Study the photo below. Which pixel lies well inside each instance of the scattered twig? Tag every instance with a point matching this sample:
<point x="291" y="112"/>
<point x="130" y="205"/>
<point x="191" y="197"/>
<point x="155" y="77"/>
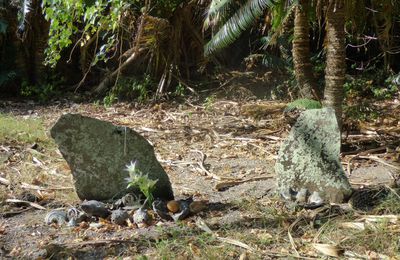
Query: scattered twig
<point x="9" y="214"/>
<point x="376" y="159"/>
<point x="226" y="184"/>
<point x="378" y="218"/>
<point x="176" y="163"/>
<point x="393" y="191"/>
<point x="263" y="149"/>
<point x="366" y="152"/>
<point x="147" y="129"/>
<point x="4" y="181"/>
<point x="271" y="137"/>
<point x="374" y="150"/>
<point x="35" y="187"/>
<point x="349" y="165"/>
<point x="203" y="226"/>
<point x="201" y="165"/>
<point x="235" y="243"/>
<point x="95" y="242"/>
<point x="290" y="235"/>
<point x="32" y="204"/>
<point x="285" y="256"/>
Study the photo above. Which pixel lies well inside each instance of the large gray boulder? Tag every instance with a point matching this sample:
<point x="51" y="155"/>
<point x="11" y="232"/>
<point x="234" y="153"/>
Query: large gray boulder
<point x="309" y="158"/>
<point x="98" y="152"/>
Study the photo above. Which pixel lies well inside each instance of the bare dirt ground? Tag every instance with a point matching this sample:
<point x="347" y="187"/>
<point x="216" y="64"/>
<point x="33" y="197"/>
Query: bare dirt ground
<point x="217" y="150"/>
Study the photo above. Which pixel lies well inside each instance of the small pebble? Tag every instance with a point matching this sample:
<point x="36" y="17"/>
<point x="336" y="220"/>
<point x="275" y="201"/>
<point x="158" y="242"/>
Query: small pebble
<point x="141" y="217"/>
<point x="56" y="216"/>
<point x="301" y="196"/>
<point x="95" y="225"/>
<point x="173" y="206"/>
<point x="315" y="198"/>
<point x="119" y="217"/>
<point x="95" y="208"/>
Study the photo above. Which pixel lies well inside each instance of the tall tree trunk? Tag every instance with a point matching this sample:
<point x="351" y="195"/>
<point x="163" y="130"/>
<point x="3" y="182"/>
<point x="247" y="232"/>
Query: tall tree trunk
<point x="301" y="51"/>
<point x="335" y="57"/>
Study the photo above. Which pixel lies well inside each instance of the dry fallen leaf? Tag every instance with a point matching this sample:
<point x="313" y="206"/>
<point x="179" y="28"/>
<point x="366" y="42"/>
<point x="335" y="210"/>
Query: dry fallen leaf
<point x="330" y="250"/>
<point x="244" y="256"/>
<point x="353" y="225"/>
<point x="195" y="250"/>
<point x="16" y="251"/>
<point x="3" y="230"/>
<point x="377" y="218"/>
<point x="375" y="255"/>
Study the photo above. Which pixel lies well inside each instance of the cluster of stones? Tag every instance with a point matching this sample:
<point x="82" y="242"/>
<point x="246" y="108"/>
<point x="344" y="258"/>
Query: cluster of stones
<point x="127" y="209"/>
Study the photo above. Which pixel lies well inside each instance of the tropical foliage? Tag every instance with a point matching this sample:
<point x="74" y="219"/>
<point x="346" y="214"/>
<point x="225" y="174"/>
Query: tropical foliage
<point x="112" y="44"/>
<point x="331" y="13"/>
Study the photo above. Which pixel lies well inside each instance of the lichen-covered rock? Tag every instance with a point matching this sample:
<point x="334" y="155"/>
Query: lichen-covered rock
<point x="309" y="157"/>
<point x="98" y="152"/>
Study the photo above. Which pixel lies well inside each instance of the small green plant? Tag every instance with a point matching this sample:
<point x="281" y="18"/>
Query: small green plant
<point x="209" y="102"/>
<point x="45" y="90"/>
<point x="377" y="84"/>
<point x="142" y="181"/>
<point x="110" y="99"/>
<point x="362" y="111"/>
<point x="143" y="88"/>
<point x="129" y="88"/>
<point x="179" y="90"/>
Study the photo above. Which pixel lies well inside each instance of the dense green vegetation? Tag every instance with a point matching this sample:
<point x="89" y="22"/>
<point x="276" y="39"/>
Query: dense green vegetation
<point x="137" y="49"/>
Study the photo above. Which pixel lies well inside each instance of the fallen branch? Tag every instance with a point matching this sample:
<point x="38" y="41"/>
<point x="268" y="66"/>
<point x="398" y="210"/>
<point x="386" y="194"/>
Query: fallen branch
<point x="226" y="184"/>
<point x="203" y="226"/>
<point x="106" y="82"/>
<point x="35" y="187"/>
<point x="9" y="214"/>
<point x="290" y="235"/>
<point x="379" y="218"/>
<point x="201" y="165"/>
<point x="97" y="242"/>
<point x="32" y="204"/>
<point x="376" y="159"/>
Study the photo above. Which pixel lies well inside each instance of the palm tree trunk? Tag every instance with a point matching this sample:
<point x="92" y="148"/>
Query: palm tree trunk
<point x="301" y="51"/>
<point x="335" y="57"/>
<point x="39" y="35"/>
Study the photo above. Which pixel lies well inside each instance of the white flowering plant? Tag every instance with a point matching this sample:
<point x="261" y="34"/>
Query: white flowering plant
<point x="142" y="181"/>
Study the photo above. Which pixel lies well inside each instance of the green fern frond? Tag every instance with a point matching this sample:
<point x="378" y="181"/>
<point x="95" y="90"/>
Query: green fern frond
<point x="238" y="23"/>
<point x="283" y="17"/>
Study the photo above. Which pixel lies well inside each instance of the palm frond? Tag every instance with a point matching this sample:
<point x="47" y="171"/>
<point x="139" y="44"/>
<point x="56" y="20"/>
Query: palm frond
<point x="217" y="6"/>
<point x="284" y="17"/>
<point x="217" y="12"/>
<point x="238" y="23"/>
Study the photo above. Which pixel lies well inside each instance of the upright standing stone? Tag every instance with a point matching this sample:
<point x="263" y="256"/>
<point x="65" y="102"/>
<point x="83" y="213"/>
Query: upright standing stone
<point x="309" y="157"/>
<point x="98" y="152"/>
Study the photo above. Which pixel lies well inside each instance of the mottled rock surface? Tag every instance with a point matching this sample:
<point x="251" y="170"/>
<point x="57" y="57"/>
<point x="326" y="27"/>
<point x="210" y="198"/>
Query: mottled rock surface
<point x="98" y="152"/>
<point x="309" y="157"/>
